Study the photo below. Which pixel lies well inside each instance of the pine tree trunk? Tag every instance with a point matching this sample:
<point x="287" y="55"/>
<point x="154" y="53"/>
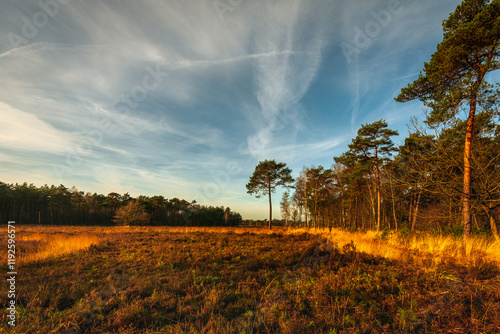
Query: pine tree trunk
<point x="316" y="204"/>
<point x="415" y="213"/>
<point x="270" y="209"/>
<point x="350" y="213"/>
<point x="378" y="195"/>
<point x="342" y="212"/>
<point x="467" y="221"/>
<point x="373" y="219"/>
<point x="493" y="221"/>
<point x="356" y="213"/>
<point x="393" y="206"/>
<point x="305" y="206"/>
<point x="300" y="215"/>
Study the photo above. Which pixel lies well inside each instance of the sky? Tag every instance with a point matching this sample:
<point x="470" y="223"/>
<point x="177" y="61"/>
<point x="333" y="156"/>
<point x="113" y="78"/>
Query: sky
<point x="184" y="98"/>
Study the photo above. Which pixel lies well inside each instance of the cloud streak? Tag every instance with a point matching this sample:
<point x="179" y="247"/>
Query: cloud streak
<point x="268" y="82"/>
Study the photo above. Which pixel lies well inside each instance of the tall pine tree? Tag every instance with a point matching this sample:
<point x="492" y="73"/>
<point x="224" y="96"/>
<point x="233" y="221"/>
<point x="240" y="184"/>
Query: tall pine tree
<point x="371" y="147"/>
<point x="454" y="78"/>
<point x="269" y="175"/>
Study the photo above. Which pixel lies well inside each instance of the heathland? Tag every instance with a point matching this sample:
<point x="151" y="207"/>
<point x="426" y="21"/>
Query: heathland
<point x="251" y="280"/>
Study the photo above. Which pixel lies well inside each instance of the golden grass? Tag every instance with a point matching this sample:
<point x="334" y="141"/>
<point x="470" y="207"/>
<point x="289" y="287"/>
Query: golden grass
<point x="422" y="247"/>
<point x="41" y="242"/>
<point x="217" y="280"/>
<point x="50" y="241"/>
<point x="41" y="246"/>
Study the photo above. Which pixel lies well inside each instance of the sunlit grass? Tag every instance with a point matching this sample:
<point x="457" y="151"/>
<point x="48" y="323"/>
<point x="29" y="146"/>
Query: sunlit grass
<point x="35" y="243"/>
<point x="253" y="280"/>
<point x="41" y="242"/>
<point x="38" y="246"/>
<point x="423" y="246"/>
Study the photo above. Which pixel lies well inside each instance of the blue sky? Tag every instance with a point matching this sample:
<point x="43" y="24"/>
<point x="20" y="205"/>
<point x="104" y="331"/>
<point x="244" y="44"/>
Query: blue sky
<point x="183" y="98"/>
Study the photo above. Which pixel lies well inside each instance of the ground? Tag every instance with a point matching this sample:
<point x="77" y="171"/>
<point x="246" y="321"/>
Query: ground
<point x="165" y="280"/>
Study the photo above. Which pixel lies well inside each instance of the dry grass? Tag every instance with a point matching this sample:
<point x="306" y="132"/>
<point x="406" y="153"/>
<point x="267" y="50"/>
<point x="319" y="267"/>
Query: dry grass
<point x="41" y="242"/>
<point x="424" y="248"/>
<point x="35" y="243"/>
<point x="38" y="247"/>
<point x="251" y="280"/>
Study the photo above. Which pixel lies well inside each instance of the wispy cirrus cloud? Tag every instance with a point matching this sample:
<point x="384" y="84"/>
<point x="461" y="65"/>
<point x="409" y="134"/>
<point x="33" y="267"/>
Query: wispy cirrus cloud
<point x="268" y="81"/>
<point x="283" y="80"/>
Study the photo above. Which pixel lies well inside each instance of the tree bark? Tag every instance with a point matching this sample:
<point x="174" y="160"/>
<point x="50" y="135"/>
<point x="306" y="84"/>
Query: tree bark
<point x="467" y="221"/>
<point x="378" y="198"/>
<point x="393" y="204"/>
<point x="493" y="220"/>
<point x="450" y="212"/>
<point x="415" y="213"/>
<point x="270" y="208"/>
<point x="350" y="213"/>
<point x="305" y="205"/>
<point x="373" y="218"/>
<point x="356" y="213"/>
<point x="315" y="203"/>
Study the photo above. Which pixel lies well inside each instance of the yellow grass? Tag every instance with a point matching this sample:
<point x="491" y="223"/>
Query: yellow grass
<point x="422" y="247"/>
<point x="41" y="242"/>
<point x="54" y="245"/>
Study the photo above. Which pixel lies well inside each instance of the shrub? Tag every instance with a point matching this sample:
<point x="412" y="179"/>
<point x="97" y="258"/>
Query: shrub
<point x="133" y="214"/>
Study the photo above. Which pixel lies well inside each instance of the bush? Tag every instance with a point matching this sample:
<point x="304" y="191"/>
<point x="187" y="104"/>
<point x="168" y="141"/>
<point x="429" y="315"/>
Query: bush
<point x="133" y="214"/>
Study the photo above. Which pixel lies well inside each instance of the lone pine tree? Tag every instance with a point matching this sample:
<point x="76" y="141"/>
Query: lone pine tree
<point x="269" y="175"/>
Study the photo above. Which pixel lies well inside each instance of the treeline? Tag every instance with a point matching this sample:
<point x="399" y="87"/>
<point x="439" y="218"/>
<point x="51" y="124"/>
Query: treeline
<point x="51" y="205"/>
<point x="419" y="185"/>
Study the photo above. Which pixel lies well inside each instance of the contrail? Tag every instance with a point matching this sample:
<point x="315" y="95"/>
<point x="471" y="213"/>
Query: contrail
<point x="42" y="46"/>
<point x="26" y="49"/>
<point x="406" y="76"/>
<point x="191" y="63"/>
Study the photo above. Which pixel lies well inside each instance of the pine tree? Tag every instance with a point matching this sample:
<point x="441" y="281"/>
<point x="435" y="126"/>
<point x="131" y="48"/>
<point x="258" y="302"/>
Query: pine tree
<point x="269" y="175"/>
<point x="371" y="148"/>
<point x="454" y="78"/>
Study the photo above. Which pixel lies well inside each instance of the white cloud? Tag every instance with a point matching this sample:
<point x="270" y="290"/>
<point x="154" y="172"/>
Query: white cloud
<point x="282" y="81"/>
<point x="20" y="130"/>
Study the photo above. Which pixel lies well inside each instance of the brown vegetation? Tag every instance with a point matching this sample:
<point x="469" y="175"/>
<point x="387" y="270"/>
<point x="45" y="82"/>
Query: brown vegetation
<point x="232" y="280"/>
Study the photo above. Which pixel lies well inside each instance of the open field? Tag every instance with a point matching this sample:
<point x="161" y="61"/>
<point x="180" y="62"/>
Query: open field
<point x="209" y="280"/>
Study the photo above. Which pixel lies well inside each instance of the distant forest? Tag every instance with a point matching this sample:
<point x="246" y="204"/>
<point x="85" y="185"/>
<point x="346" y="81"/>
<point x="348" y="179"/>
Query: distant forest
<point x="51" y="205"/>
